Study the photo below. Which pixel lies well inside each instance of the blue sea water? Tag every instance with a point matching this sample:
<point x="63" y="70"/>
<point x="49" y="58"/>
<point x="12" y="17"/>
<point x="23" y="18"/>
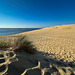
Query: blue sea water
<point x="9" y="31"/>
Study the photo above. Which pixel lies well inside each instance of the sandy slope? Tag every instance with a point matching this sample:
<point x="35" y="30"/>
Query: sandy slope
<point x="55" y="56"/>
<point x="57" y="40"/>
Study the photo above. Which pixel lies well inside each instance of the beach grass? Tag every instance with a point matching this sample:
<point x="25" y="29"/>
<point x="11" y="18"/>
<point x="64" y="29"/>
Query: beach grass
<point x="23" y="45"/>
<point x="4" y="44"/>
<point x="20" y="43"/>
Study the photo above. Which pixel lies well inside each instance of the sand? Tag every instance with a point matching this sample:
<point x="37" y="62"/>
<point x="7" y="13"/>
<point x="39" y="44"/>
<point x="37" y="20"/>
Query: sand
<point x="55" y="53"/>
<point x="58" y="41"/>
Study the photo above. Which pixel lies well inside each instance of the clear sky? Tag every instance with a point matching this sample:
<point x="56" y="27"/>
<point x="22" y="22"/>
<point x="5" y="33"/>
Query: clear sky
<point x="36" y="13"/>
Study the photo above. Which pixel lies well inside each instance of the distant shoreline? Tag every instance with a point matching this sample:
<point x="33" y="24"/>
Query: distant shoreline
<point x="12" y="31"/>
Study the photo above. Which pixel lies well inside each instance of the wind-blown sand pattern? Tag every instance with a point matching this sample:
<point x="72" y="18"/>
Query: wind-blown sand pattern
<point x="36" y="64"/>
<point x="49" y="66"/>
<point x="57" y="40"/>
<point x="5" y="57"/>
<point x="55" y="53"/>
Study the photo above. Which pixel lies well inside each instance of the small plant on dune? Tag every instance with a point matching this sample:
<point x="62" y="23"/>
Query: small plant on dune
<point x="23" y="45"/>
<point x="4" y="44"/>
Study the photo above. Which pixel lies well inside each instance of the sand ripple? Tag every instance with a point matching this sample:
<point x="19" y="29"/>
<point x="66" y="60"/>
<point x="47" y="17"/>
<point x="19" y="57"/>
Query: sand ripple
<point x="6" y="57"/>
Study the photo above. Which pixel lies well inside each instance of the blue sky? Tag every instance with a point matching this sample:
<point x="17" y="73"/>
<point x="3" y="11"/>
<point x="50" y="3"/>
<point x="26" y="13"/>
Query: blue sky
<point x="36" y="13"/>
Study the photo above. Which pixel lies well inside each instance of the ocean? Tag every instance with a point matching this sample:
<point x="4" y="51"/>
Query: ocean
<point x="9" y="31"/>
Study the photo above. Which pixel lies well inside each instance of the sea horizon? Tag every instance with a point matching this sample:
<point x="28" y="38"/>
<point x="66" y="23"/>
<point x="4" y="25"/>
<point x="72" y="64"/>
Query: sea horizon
<point x="10" y="31"/>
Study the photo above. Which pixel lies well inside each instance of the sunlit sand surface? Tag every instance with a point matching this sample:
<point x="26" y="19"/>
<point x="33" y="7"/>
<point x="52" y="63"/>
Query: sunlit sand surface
<point x="57" y="40"/>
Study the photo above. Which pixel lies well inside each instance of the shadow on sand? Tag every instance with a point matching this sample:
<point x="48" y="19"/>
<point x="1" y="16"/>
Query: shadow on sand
<point x="48" y="65"/>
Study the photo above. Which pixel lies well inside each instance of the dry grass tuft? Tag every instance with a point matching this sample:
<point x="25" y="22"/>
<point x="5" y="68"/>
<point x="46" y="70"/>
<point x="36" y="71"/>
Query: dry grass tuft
<point x="20" y="43"/>
<point x="4" y="44"/>
<point x="23" y="45"/>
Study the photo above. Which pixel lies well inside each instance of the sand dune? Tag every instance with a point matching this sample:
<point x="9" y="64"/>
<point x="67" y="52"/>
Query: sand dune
<point x="58" y="40"/>
<point x="55" y="53"/>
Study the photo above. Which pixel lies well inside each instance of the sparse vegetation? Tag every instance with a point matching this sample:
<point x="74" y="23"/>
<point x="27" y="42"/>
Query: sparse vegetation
<point x="20" y="44"/>
<point x="4" y="44"/>
<point x="23" y="45"/>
